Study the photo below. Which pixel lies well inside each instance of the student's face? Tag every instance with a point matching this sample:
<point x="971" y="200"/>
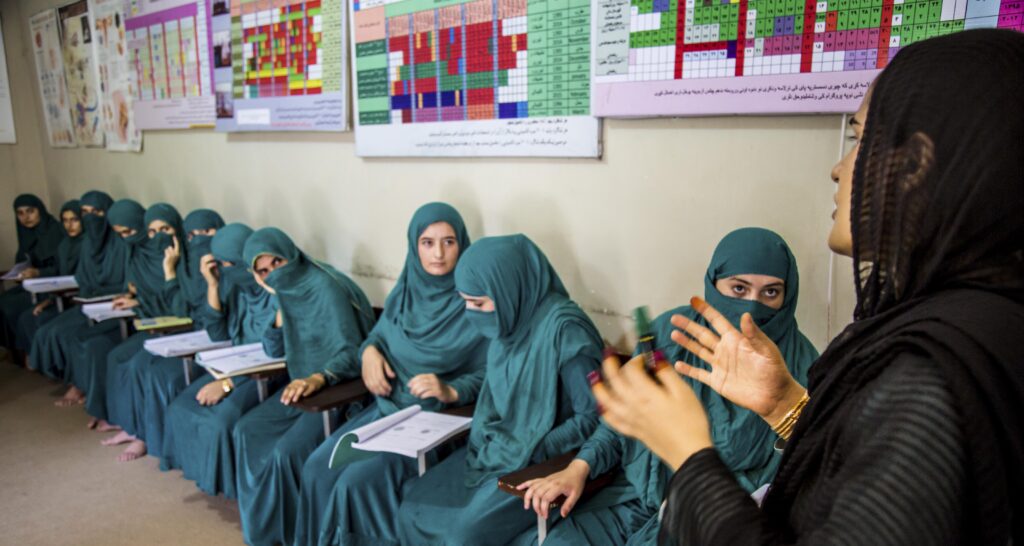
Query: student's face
<point x="123" y="231"/>
<point x="72" y="223"/>
<point x="86" y="209"/>
<point x="478" y="303"/>
<point x="28" y="216"/>
<point x="840" y="239"/>
<point x="265" y="264"/>
<point x="438" y="249"/>
<point x="159" y="226"/>
<point x="211" y="232"/>
<point x="766" y="289"/>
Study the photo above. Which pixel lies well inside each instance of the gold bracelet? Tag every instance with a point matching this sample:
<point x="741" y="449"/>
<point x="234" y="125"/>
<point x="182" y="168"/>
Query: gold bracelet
<point x="784" y="428"/>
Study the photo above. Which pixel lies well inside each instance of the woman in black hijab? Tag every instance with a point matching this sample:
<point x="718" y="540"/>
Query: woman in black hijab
<point x="912" y="430"/>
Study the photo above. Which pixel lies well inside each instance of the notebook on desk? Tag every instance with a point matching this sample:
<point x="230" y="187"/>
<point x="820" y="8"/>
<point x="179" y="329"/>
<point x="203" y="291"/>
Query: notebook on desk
<point x="238" y="360"/>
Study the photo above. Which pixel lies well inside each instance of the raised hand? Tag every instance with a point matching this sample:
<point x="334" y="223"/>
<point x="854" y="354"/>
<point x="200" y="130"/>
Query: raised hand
<point x="208" y="267"/>
<point x="172" y="255"/>
<point x="541" y="492"/>
<point x="668" y="418"/>
<point x="376" y="372"/>
<point x="746" y="367"/>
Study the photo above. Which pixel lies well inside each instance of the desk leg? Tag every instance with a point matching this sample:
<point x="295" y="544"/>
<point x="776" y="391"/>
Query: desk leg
<point x="327" y="423"/>
<point x="542" y="529"/>
<point x="124" y="329"/>
<point x="35" y="298"/>
<point x="186" y="362"/>
<point x="261" y="388"/>
<point x="60" y="304"/>
<point x="421" y="462"/>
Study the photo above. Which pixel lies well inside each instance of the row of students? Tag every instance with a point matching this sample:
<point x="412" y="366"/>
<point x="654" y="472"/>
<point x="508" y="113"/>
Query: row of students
<point x="488" y="323"/>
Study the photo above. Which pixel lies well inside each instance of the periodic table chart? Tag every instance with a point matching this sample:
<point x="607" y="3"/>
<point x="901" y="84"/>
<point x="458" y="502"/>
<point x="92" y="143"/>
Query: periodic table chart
<point x="279" y="65"/>
<point x="707" y="57"/>
<point x="473" y="78"/>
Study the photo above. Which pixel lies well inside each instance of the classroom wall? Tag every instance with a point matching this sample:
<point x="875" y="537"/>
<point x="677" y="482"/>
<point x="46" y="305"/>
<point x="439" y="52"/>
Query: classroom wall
<point x="21" y="164"/>
<point x="635" y="227"/>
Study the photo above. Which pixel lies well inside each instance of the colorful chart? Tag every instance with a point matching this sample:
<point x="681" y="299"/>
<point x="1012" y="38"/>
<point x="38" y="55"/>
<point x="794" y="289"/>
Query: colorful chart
<point x="478" y="77"/>
<point x="763" y="56"/>
<point x="43" y="28"/>
<point x="116" y="77"/>
<point x="280" y="65"/>
<point x="168" y="49"/>
<point x="80" y="73"/>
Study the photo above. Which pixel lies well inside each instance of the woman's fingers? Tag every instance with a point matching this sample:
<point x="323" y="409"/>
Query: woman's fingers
<point x="570" y="501"/>
<point x="694" y="372"/>
<point x="701" y="334"/>
<point x="717" y="320"/>
<point x="388" y="371"/>
<point x="692" y="345"/>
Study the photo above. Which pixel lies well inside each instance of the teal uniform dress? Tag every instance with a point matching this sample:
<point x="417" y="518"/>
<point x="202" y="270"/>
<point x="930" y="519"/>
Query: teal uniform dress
<point x="326" y="317"/>
<point x="197" y="439"/>
<point x="163" y="378"/>
<point x="535" y="403"/>
<point x="37" y="246"/>
<point x="100" y="271"/>
<point x="111" y="386"/>
<point x="422" y="331"/>
<point x="626" y="512"/>
<point x="67" y="261"/>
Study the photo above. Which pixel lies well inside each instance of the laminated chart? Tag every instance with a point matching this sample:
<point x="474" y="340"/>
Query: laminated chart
<point x="473" y="78"/>
<point x="705" y="57"/>
<point x="80" y="73"/>
<point x="43" y="30"/>
<point x="168" y="50"/>
<point x="279" y="65"/>
<point x="116" y="77"/>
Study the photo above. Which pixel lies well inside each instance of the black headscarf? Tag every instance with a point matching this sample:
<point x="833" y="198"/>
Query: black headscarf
<point x="38" y="245"/>
<point x="938" y="244"/>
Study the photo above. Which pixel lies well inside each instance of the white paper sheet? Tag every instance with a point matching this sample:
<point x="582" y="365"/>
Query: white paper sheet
<point x="183" y="344"/>
<point x="49" y="284"/>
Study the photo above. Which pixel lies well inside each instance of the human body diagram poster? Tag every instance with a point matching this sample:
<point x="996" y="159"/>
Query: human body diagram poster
<point x="80" y="73"/>
<point x="43" y="27"/>
<point x="117" y="82"/>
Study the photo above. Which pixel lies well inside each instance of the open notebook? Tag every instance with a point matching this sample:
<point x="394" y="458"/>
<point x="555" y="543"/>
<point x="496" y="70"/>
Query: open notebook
<point x="100" y="312"/>
<point x="183" y="344"/>
<point x="156" y="323"/>
<point x="411" y="432"/>
<point x="95" y="299"/>
<point x="238" y="360"/>
<point x="50" y="284"/>
<point x="15" y="271"/>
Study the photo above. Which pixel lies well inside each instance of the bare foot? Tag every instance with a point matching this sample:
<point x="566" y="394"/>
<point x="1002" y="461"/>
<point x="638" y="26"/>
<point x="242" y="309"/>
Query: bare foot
<point x="73" y="397"/>
<point x="118" y="439"/>
<point x="101" y="425"/>
<point x="136" y="449"/>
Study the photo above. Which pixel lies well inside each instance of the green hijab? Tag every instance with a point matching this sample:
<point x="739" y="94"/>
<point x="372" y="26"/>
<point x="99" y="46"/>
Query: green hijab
<point x="326" y="315"/>
<point x="535" y="328"/>
<point x="250" y="308"/>
<point x="193" y="248"/>
<point x="743" y="440"/>
<point x="38" y="245"/>
<point x="423" y="328"/>
<point x="70" y="247"/>
<point x="101" y="267"/>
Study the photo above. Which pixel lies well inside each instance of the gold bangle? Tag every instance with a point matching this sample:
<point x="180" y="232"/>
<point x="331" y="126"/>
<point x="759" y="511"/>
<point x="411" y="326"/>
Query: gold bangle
<point x="784" y="428"/>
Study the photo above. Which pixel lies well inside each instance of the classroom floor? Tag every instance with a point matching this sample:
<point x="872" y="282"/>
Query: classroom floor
<point x="58" y="485"/>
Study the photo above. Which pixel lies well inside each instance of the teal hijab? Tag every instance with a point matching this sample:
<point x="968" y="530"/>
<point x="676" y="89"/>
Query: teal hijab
<point x="193" y="248"/>
<point x="70" y="247"/>
<point x="313" y="297"/>
<point x="743" y="440"/>
<point x="101" y="267"/>
<point x="535" y="328"/>
<point x="423" y="329"/>
<point x="252" y="307"/>
<point x="38" y="245"/>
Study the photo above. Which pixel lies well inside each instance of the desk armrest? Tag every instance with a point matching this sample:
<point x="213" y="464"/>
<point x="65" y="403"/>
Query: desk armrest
<point x="266" y="374"/>
<point x="509" y="482"/>
<point x="334" y="396"/>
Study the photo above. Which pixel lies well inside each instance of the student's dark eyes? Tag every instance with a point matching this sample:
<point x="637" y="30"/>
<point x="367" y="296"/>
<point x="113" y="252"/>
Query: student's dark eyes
<point x="739" y="288"/>
<point x="771" y="292"/>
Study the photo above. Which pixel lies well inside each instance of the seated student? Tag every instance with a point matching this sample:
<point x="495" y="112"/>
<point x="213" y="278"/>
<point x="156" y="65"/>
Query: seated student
<point x="752" y="271"/>
<point x="100" y="271"/>
<point x="423" y="351"/>
<point x="67" y="261"/>
<point x="322" y="320"/>
<point x="39" y="235"/>
<point x="198" y="425"/>
<point x="157" y="380"/>
<point x="110" y="388"/>
<point x="535" y="402"/>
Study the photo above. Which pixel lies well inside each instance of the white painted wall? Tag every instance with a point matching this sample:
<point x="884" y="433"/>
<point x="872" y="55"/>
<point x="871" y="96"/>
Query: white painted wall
<point x="636" y="227"/>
